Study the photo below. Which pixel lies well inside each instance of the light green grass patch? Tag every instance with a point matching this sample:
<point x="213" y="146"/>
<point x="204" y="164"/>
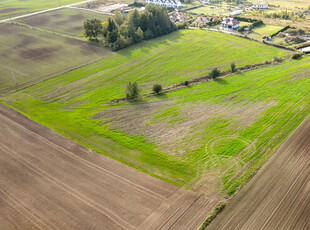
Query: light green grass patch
<point x="259" y="32"/>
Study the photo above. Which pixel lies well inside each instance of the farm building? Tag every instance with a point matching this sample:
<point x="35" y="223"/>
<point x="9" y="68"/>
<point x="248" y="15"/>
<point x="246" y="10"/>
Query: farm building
<point x="230" y="23"/>
<point x="166" y="3"/>
<point x="177" y="17"/>
<point x="260" y="5"/>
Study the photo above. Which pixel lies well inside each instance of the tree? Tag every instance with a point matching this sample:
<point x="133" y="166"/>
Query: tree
<point x="92" y="28"/>
<point x="233" y="67"/>
<point x="157" y="88"/>
<point x="118" y="18"/>
<point x="215" y="73"/>
<point x="132" y="90"/>
<point x="138" y="35"/>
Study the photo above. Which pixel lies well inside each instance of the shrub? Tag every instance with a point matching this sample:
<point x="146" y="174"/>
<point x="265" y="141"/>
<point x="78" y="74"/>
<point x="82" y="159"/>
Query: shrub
<point x="233" y="67"/>
<point x="277" y="59"/>
<point x="186" y="83"/>
<point x="132" y="90"/>
<point x="215" y="73"/>
<point x="157" y="88"/>
<point x="296" y="56"/>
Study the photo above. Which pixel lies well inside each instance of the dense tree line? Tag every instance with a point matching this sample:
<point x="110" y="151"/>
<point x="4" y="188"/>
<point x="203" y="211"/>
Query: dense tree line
<point x="123" y="30"/>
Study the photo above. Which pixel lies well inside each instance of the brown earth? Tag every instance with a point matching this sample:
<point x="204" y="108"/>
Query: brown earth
<point x="278" y="197"/>
<point x="50" y="182"/>
<point x="172" y="132"/>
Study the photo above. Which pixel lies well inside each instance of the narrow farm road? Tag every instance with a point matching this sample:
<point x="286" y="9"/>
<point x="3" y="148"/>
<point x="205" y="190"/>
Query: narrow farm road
<point x="43" y="11"/>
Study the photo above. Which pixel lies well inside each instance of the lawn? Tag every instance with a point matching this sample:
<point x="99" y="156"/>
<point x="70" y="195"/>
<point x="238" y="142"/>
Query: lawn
<point x="11" y="8"/>
<point x="188" y="135"/>
<point x="64" y="21"/>
<point x="32" y="55"/>
<point x="259" y="32"/>
<point x="208" y="10"/>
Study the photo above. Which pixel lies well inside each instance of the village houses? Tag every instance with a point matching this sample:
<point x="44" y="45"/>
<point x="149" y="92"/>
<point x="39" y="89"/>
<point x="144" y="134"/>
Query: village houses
<point x="166" y="3"/>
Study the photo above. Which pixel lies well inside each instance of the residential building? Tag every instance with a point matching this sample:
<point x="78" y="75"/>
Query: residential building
<point x="260" y="5"/>
<point x="177" y="17"/>
<point x="166" y="3"/>
<point x="230" y="23"/>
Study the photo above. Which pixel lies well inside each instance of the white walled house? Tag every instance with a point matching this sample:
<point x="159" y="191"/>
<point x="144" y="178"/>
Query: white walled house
<point x="230" y="23"/>
<point x="260" y="5"/>
<point x="166" y="3"/>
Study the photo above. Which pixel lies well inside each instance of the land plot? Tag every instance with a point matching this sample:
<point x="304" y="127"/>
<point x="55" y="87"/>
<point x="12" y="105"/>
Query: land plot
<point x="67" y="21"/>
<point x="259" y="32"/>
<point x="50" y="182"/>
<point x="11" y="8"/>
<point x="278" y="197"/>
<point x="28" y="55"/>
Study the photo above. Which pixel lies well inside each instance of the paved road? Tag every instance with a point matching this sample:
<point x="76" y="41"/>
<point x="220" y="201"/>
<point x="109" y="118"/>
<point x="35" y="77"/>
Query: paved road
<point x="43" y="11"/>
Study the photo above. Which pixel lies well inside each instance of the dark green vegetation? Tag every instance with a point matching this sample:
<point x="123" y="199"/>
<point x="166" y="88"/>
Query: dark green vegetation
<point x="66" y="21"/>
<point x="221" y="130"/>
<point x="123" y="31"/>
<point x="33" y="55"/>
<point x="11" y="8"/>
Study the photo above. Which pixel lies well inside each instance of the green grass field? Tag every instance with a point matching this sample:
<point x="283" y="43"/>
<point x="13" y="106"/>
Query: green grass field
<point x="32" y="55"/>
<point x="259" y="32"/>
<point x="64" y="21"/>
<point x="192" y="134"/>
<point x="207" y="10"/>
<point x="11" y="8"/>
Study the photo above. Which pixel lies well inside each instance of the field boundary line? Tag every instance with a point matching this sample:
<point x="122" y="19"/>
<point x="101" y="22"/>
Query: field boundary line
<point x="115" y="218"/>
<point x="122" y="179"/>
<point x="21" y="206"/>
<point x="43" y="11"/>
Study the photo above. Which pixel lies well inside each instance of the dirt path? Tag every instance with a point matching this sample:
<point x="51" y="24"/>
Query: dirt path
<point x="43" y="11"/>
<point x="278" y="197"/>
<point x="50" y="182"/>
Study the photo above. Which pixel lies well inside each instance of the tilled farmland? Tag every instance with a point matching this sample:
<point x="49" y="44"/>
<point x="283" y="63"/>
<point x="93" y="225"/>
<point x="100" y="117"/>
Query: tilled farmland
<point x="278" y="197"/>
<point x="50" y="182"/>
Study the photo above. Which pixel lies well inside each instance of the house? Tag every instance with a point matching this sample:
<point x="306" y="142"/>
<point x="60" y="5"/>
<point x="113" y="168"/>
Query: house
<point x="166" y="3"/>
<point x="202" y="21"/>
<point x="206" y="1"/>
<point x="177" y="17"/>
<point x="125" y="9"/>
<point x="260" y="5"/>
<point x="230" y="23"/>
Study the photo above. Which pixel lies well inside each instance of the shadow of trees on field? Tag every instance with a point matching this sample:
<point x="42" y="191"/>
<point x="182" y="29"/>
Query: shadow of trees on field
<point x="221" y="81"/>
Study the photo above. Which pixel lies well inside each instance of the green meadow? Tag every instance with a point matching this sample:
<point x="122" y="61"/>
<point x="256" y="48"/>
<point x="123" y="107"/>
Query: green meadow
<point x="220" y="130"/>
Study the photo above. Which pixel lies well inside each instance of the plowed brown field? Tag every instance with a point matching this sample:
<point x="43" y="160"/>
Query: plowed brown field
<point x="50" y="182"/>
<point x="278" y="197"/>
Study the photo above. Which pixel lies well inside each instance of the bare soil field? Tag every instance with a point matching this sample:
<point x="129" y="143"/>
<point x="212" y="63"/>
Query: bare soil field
<point x="67" y="21"/>
<point x="50" y="182"/>
<point x="278" y="197"/>
<point x="28" y="55"/>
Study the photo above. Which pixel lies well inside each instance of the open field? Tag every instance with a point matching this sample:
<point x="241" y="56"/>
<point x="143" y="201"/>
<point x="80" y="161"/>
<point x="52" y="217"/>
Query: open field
<point x="50" y="182"/>
<point x="242" y="118"/>
<point x="290" y="4"/>
<point x="259" y="32"/>
<point x="278" y="197"/>
<point x="64" y="21"/>
<point x="11" y="8"/>
<point x="208" y="10"/>
<point x="33" y="55"/>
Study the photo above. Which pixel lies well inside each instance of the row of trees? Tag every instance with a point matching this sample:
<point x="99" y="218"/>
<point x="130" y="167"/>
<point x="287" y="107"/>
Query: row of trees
<point x="132" y="89"/>
<point x="121" y="31"/>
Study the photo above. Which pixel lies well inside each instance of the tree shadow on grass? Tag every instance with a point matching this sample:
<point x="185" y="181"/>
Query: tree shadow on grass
<point x="221" y="81"/>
